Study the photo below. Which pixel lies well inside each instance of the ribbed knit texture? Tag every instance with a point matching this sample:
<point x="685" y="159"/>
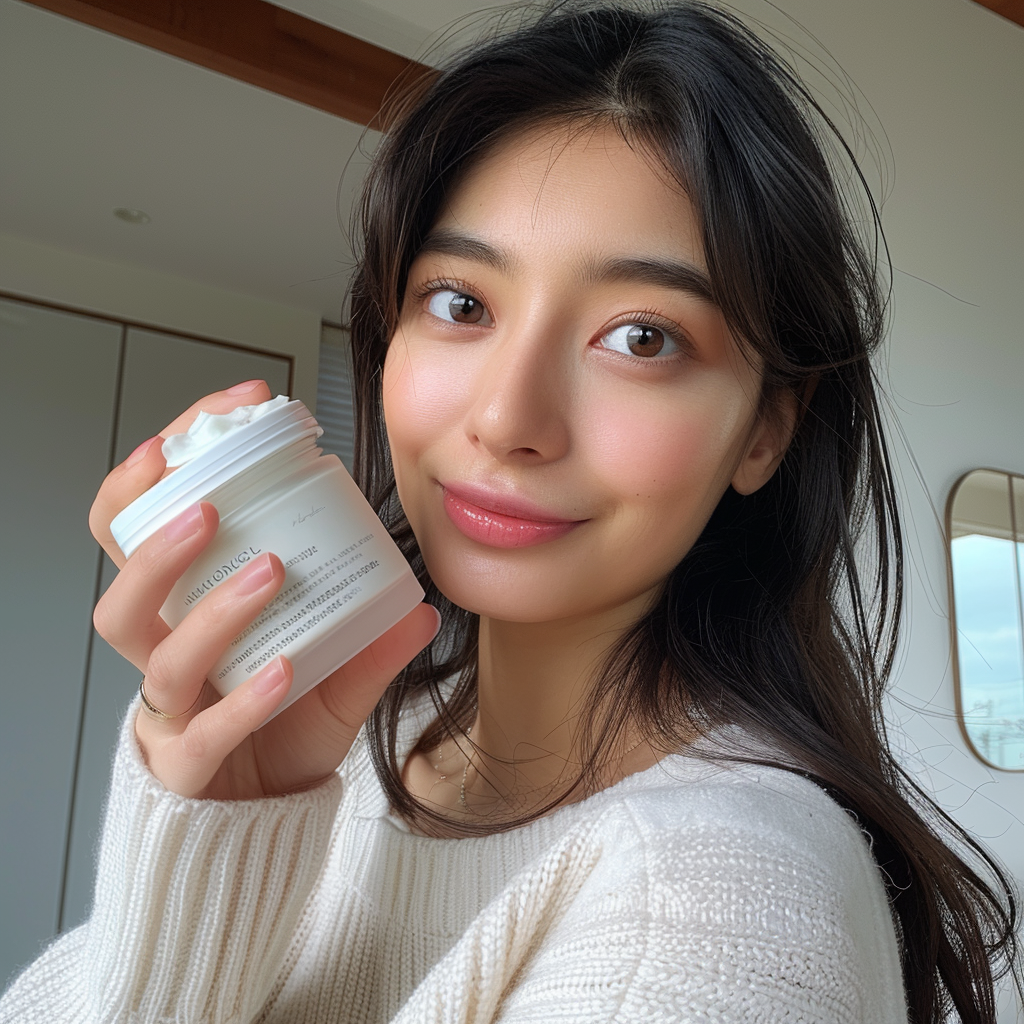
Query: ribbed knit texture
<point x="688" y="892"/>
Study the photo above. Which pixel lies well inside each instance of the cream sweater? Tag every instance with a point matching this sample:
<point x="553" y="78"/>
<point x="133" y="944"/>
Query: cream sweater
<point x="685" y="893"/>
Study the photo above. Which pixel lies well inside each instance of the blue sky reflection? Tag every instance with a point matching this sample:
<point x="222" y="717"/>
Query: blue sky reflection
<point x="990" y="645"/>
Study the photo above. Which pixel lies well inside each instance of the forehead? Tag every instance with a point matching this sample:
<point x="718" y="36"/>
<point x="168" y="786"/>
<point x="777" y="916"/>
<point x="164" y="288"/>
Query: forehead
<point x="585" y="192"/>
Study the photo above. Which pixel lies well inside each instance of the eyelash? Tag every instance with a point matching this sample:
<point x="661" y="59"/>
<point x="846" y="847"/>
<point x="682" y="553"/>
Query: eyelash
<point x="648" y="316"/>
<point x="441" y="284"/>
<point x="652" y="318"/>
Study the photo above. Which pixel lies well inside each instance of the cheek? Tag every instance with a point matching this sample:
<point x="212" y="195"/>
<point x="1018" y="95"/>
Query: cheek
<point x="644" y="457"/>
<point x="656" y="453"/>
<point x="417" y="397"/>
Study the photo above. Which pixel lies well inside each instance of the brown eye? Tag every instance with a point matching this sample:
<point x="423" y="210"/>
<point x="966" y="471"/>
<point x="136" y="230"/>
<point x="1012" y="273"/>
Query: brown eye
<point x="465" y="309"/>
<point x="457" y="307"/>
<point x="644" y="340"/>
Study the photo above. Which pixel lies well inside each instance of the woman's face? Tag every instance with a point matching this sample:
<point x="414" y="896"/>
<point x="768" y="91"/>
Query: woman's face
<point x="565" y="404"/>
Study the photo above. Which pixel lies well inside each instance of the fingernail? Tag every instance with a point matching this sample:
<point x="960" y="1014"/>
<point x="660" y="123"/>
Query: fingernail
<point x="188" y="523"/>
<point x="244" y="387"/>
<point x="437" y="628"/>
<point x="270" y="678"/>
<point x="140" y="453"/>
<point x="255" y="576"/>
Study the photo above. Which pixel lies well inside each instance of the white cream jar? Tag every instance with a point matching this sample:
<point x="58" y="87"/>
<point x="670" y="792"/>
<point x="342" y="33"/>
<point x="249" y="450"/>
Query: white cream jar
<point x="345" y="580"/>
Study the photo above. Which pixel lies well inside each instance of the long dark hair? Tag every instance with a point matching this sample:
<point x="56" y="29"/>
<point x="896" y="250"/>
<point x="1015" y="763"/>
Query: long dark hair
<point x="770" y="622"/>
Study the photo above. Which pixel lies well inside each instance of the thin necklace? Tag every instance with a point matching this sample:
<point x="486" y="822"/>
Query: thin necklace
<point x="462" y="785"/>
<point x="469" y="761"/>
<point x="442" y="774"/>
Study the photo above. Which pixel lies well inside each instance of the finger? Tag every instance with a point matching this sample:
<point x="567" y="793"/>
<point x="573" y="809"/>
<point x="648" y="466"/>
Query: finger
<point x="214" y="733"/>
<point x="178" y="666"/>
<point x="352" y="692"/>
<point x="146" y="465"/>
<point x="128" y="614"/>
<point x="123" y="484"/>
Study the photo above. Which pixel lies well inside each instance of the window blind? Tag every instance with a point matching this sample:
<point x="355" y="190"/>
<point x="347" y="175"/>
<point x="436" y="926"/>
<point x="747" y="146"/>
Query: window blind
<point x="335" y="407"/>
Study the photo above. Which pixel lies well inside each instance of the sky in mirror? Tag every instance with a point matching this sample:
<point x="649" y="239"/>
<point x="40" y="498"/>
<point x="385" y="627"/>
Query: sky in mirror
<point x="991" y="651"/>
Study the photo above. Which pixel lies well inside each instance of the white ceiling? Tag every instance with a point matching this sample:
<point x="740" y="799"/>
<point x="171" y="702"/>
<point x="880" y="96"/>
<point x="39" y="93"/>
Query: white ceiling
<point x="246" y="189"/>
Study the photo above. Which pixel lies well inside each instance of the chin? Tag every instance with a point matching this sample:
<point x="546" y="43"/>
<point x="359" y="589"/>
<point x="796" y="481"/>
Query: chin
<point x="509" y="593"/>
<point x="542" y="592"/>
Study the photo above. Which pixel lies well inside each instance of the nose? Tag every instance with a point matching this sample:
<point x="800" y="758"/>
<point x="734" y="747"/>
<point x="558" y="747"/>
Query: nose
<point x="520" y="407"/>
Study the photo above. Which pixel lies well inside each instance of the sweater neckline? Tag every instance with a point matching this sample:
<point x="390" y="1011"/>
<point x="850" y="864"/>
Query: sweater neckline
<point x="671" y="769"/>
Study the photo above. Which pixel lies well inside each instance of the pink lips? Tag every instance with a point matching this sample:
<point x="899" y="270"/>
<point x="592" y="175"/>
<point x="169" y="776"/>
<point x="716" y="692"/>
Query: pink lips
<point x="502" y="522"/>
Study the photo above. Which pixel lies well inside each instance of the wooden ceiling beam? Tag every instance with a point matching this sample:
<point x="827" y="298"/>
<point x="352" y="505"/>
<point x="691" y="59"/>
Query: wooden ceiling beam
<point x="1012" y="9"/>
<point x="261" y="44"/>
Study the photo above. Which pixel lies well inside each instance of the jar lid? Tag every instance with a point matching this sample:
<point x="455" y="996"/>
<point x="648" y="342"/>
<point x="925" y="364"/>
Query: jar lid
<point x="234" y="453"/>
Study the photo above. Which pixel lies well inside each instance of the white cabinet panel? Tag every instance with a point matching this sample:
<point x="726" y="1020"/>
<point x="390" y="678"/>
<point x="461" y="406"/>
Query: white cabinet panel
<point x="77" y="394"/>
<point x="166" y="373"/>
<point x="163" y="374"/>
<point x="58" y="376"/>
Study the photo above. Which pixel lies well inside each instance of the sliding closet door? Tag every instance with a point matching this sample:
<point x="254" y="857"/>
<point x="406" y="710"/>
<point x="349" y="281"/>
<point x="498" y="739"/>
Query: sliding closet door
<point x="163" y="375"/>
<point x="58" y="376"/>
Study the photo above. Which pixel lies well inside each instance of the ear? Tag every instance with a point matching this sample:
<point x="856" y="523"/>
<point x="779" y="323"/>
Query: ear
<point x="767" y="444"/>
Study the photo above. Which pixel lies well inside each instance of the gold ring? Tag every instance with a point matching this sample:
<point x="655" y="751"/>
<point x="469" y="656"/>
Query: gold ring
<point x="154" y="710"/>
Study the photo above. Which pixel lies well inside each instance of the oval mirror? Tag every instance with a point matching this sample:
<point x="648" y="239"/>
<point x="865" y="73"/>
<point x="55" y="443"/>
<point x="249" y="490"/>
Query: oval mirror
<point x="985" y="526"/>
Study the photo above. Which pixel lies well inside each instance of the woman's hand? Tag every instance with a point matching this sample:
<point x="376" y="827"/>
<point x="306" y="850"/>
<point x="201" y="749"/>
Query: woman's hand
<point x="209" y="748"/>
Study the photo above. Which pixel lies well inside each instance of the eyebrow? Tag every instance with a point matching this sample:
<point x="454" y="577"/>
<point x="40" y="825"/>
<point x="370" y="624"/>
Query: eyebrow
<point x="663" y="272"/>
<point x="445" y="242"/>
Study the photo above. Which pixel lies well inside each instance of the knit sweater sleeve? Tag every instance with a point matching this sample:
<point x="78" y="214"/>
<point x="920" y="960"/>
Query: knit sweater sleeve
<point x="194" y="908"/>
<point x="725" y="902"/>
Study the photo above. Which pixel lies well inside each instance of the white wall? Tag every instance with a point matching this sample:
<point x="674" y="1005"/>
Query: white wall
<point x="129" y="292"/>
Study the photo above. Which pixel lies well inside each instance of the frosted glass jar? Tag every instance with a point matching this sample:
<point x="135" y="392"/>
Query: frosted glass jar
<point x="345" y="580"/>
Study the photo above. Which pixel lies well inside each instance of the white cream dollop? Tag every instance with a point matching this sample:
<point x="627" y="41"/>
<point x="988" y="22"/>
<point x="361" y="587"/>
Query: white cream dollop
<point x="208" y="428"/>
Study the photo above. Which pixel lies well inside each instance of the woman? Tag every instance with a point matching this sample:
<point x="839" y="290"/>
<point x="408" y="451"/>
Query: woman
<point x="611" y="332"/>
